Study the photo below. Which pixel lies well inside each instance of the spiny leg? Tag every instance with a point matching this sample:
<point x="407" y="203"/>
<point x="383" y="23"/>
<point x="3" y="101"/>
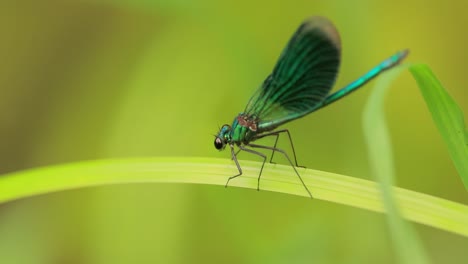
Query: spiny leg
<point x="287" y="157"/>
<point x="274" y="146"/>
<point x="263" y="163"/>
<point x="234" y="157"/>
<point x="237" y="152"/>
<point x="277" y="133"/>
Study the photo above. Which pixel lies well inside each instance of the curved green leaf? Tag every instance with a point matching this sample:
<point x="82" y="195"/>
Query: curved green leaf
<point x="417" y="207"/>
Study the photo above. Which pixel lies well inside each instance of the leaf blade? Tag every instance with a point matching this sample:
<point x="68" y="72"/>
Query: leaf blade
<point x="447" y="116"/>
<point x="421" y="208"/>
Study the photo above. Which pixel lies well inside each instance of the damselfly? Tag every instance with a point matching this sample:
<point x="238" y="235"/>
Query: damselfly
<point x="299" y="85"/>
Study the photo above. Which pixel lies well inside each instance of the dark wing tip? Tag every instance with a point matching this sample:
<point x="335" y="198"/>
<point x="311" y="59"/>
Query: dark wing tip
<point x="325" y="26"/>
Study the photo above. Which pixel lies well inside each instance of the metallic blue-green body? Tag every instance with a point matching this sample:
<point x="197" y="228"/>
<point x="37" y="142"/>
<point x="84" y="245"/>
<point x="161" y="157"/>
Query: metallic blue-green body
<point x="384" y="65"/>
<point x="239" y="134"/>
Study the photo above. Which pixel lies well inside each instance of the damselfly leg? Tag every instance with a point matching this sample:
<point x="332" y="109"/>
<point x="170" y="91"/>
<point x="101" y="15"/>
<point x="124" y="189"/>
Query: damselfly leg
<point x="234" y="157"/>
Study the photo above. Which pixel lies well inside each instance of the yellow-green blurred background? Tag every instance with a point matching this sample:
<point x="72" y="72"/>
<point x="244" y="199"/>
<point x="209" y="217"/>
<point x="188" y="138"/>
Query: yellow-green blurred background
<point x="119" y="78"/>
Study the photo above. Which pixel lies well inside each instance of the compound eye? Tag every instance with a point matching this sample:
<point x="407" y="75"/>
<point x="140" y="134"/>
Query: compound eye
<point x="218" y="143"/>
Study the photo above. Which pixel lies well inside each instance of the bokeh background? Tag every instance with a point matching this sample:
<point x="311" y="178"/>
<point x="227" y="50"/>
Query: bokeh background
<point x="119" y="78"/>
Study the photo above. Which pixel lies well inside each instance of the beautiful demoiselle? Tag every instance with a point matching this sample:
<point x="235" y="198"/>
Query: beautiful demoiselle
<point x="299" y="85"/>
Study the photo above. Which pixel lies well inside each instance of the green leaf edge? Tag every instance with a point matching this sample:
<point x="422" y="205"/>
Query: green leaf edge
<point x="418" y="207"/>
<point x="447" y="116"/>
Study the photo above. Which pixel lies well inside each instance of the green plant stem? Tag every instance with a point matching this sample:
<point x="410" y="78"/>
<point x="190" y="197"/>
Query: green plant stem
<point x="417" y="207"/>
<point x="408" y="247"/>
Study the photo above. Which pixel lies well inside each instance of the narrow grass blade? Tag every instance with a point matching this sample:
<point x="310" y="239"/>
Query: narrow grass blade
<point x="406" y="242"/>
<point x="417" y="207"/>
<point x="447" y="116"/>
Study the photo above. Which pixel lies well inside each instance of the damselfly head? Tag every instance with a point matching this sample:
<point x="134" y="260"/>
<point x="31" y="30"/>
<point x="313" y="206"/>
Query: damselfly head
<point x="219" y="144"/>
<point x="222" y="138"/>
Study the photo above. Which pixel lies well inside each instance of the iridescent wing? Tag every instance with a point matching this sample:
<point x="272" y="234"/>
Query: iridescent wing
<point x="302" y="77"/>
